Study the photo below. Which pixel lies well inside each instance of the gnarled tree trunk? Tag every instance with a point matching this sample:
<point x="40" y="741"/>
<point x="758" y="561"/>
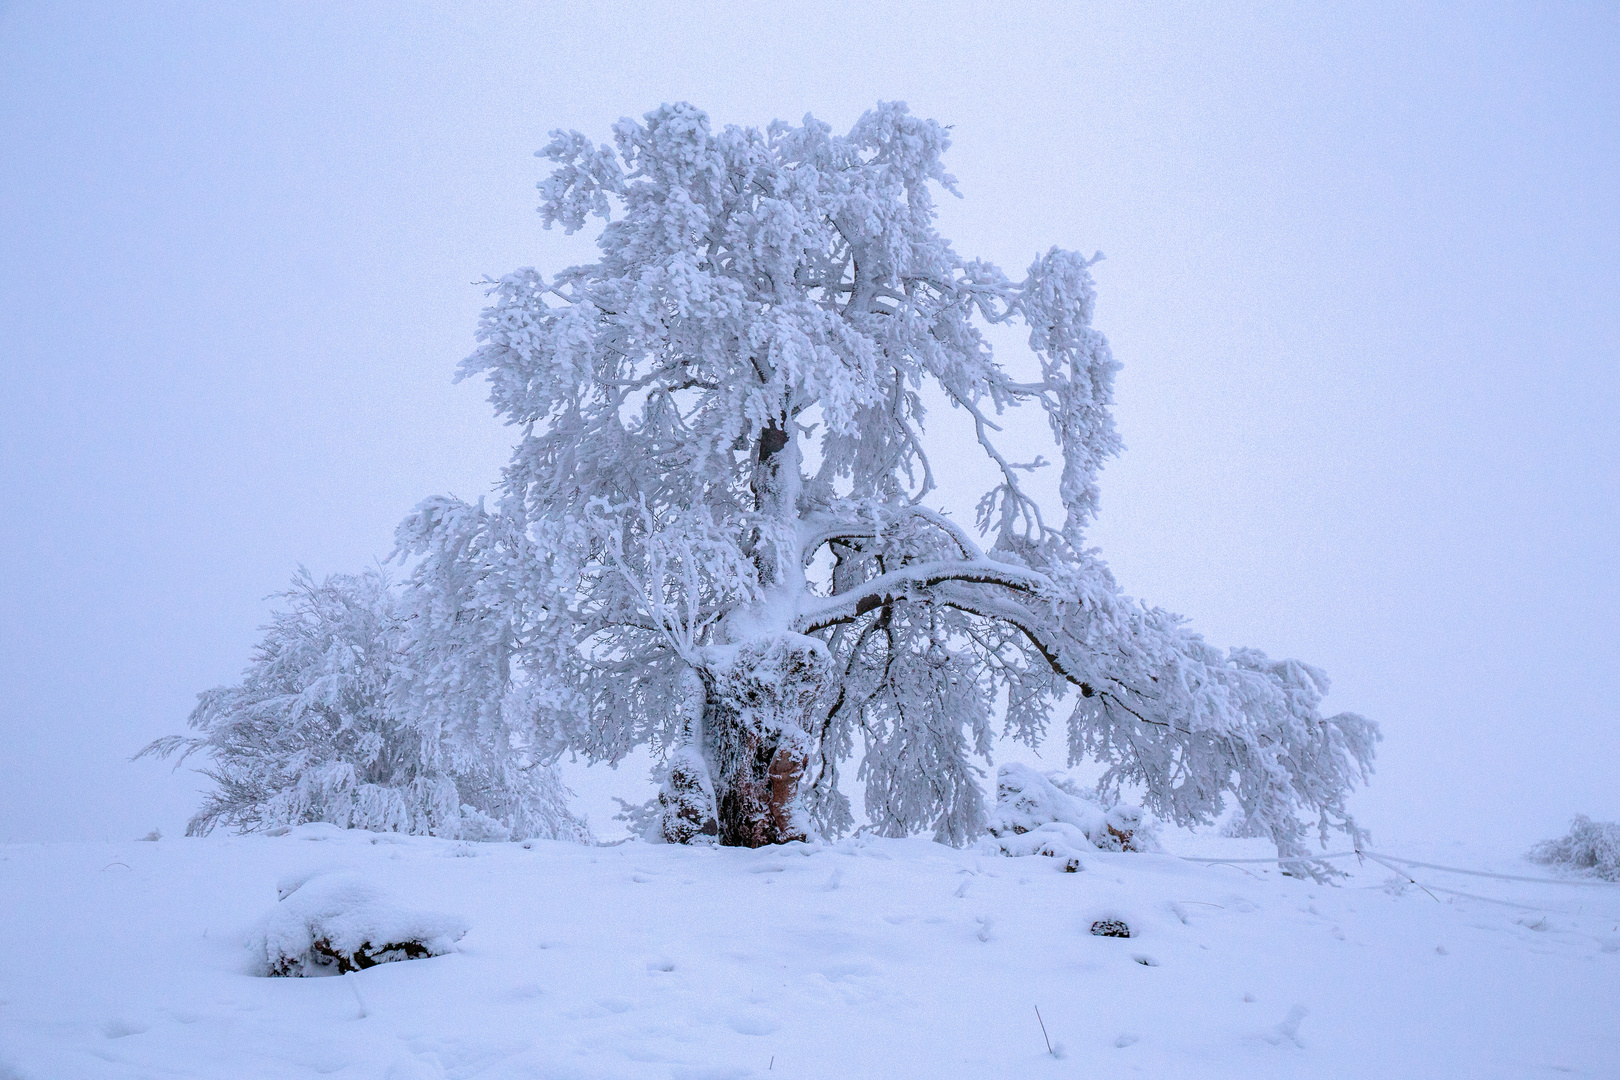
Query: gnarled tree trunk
<point x="755" y="741"/>
<point x="752" y="745"/>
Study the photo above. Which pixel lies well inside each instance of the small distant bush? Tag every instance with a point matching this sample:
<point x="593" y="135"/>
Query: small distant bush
<point x="1592" y="846"/>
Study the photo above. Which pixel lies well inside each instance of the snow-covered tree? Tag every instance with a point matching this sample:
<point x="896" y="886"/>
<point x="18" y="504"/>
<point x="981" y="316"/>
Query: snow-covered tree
<point x="339" y="719"/>
<point x="716" y="535"/>
<point x="1590" y="846"/>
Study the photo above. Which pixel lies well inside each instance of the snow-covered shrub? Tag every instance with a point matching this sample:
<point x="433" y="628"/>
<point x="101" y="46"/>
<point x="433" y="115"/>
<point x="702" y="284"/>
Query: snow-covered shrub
<point x="683" y="811"/>
<point x="1592" y="846"/>
<point x="332" y="923"/>
<point x="1051" y="815"/>
<point x="686" y="799"/>
<point x="329" y="724"/>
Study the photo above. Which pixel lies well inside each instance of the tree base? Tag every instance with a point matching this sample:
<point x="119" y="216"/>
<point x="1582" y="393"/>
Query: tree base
<point x="759" y="807"/>
<point x="688" y="801"/>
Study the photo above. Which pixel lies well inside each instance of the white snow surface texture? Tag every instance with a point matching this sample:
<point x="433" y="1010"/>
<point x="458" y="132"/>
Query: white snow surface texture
<point x="865" y="958"/>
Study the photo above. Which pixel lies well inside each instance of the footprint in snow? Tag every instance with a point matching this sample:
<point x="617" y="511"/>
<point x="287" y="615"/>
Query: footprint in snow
<point x="1127" y="1040"/>
<point x="1289" y="1028"/>
<point x="753" y="1022"/>
<point x="408" y="1066"/>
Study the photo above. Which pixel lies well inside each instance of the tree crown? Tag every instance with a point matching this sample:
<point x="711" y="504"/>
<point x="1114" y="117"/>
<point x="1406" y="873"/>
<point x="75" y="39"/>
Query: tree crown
<point x="764" y="299"/>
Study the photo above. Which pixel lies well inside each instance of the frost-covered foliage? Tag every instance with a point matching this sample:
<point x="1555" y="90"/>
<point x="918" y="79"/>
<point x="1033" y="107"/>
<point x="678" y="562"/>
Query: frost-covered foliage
<point x="722" y="480"/>
<point x="1049" y="814"/>
<point x="1590" y="846"/>
<point x="332" y="923"/>
<point x="339" y="719"/>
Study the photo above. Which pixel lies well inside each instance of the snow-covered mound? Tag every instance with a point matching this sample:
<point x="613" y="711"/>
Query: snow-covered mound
<point x="1047" y="815"/>
<point x="331" y="923"/>
<point x="869" y="958"/>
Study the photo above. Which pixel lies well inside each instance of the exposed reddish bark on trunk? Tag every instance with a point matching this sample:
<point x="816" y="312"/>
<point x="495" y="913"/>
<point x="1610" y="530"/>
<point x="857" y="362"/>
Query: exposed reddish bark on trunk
<point x="754" y="738"/>
<point x="756" y="800"/>
<point x="757" y="699"/>
<point x="787" y="767"/>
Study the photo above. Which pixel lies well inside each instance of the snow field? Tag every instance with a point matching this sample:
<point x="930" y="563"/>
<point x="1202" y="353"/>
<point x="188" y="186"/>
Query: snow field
<point x="866" y="958"/>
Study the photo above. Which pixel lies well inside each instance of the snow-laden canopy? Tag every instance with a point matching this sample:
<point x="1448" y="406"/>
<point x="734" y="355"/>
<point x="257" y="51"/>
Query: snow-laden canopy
<point x="662" y="566"/>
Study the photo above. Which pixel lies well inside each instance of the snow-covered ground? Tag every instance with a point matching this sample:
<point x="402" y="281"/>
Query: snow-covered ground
<point x="866" y="958"/>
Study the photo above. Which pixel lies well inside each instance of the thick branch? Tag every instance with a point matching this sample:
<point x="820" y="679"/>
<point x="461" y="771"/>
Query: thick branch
<point x="990" y="608"/>
<point x="822" y="613"/>
<point x="818" y="529"/>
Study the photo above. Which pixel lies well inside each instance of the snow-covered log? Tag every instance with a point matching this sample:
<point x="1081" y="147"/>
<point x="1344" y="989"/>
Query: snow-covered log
<point x="332" y="923"/>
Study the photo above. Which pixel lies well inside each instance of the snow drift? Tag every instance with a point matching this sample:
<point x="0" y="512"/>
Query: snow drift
<point x="868" y="959"/>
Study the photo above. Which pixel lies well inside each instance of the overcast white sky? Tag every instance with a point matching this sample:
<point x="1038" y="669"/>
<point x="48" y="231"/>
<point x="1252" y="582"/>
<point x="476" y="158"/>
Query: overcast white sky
<point x="1362" y="272"/>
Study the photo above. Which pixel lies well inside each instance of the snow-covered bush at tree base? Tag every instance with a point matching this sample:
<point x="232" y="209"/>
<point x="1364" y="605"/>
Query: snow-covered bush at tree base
<point x="721" y="493"/>
<point x="338" y="719"/>
<point x="1591" y="847"/>
<point x="332" y="923"/>
<point x="1051" y="815"/>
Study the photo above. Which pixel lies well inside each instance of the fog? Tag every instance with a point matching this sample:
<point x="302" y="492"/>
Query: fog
<point x="1361" y="271"/>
